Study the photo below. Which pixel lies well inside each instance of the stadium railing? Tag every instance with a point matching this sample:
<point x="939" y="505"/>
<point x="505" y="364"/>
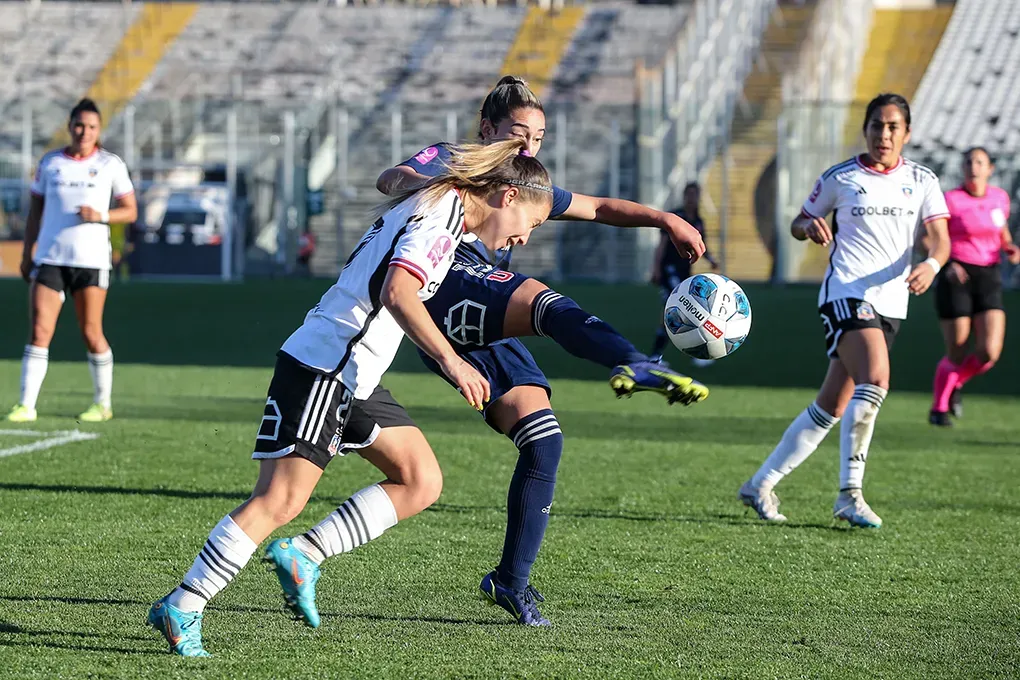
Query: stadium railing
<point x="687" y="101"/>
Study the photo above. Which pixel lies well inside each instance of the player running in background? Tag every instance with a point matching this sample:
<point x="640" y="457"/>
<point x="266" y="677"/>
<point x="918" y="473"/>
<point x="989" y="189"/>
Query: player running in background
<point x="968" y="292"/>
<point x="484" y="308"/>
<point x="67" y="250"/>
<point x="876" y="200"/>
<point x="670" y="267"/>
<point x="326" y="385"/>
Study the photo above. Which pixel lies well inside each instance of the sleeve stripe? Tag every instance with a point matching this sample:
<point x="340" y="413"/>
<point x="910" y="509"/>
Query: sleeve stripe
<point x="805" y="213"/>
<point x="126" y="193"/>
<point x="411" y="267"/>
<point x="37" y="193"/>
<point x="942" y="216"/>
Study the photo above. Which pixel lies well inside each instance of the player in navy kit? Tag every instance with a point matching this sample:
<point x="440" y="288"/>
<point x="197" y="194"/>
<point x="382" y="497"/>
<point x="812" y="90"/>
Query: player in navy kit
<point x="484" y="308"/>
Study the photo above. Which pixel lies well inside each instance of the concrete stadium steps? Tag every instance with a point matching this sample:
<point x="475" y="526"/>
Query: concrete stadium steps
<point x="540" y="44"/>
<point x="49" y="52"/>
<point x="141" y="47"/>
<point x="753" y="148"/>
<point x="481" y="43"/>
<point x="887" y="67"/>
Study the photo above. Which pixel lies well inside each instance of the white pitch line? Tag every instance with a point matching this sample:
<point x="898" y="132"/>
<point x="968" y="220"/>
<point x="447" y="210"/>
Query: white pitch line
<point x="57" y="438"/>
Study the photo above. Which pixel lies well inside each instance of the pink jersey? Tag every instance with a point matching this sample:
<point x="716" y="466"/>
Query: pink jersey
<point x="975" y="225"/>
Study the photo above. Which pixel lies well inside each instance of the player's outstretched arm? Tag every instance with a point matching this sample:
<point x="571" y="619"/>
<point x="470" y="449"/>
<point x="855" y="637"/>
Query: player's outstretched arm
<point x="400" y="297"/>
<point x="618" y="212"/>
<point x="399" y="178"/>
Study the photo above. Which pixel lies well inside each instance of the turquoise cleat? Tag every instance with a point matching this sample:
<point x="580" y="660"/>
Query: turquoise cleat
<point x="183" y="630"/>
<point x="298" y="576"/>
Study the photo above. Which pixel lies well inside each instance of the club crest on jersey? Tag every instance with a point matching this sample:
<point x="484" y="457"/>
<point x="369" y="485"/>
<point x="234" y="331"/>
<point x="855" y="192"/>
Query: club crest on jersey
<point x="93" y="172"/>
<point x="908" y="191"/>
<point x="427" y="155"/>
<point x="439" y="250"/>
<point x="865" y="312"/>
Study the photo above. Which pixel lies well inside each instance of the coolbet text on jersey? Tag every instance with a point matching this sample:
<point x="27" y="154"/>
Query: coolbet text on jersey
<point x="874" y="223"/>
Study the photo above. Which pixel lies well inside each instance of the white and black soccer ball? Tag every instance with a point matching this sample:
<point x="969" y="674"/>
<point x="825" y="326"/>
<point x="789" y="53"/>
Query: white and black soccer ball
<point x="707" y="316"/>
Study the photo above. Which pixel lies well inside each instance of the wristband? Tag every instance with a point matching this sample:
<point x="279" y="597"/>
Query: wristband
<point x="934" y="264"/>
<point x="104" y="217"/>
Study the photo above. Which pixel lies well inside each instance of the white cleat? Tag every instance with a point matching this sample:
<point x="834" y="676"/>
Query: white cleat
<point x="851" y="507"/>
<point x="764" y="501"/>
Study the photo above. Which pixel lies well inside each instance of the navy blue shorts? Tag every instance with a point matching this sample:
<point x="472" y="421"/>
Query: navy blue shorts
<point x="469" y="308"/>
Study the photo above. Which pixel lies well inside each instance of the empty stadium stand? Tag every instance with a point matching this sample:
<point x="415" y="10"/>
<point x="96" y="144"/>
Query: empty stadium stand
<point x="969" y="93"/>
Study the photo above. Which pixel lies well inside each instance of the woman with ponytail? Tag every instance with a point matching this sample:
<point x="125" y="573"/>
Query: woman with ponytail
<point x="516" y="305"/>
<point x="325" y="399"/>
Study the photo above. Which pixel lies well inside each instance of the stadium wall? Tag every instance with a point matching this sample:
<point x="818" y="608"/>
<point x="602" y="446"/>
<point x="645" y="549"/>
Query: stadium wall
<point x="245" y="324"/>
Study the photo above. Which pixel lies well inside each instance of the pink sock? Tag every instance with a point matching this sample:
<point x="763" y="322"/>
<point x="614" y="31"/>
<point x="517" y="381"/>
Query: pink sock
<point x="971" y="367"/>
<point x="946" y="380"/>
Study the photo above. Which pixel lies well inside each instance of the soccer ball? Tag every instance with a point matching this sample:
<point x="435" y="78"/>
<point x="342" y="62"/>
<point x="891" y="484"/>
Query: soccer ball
<point x="707" y="316"/>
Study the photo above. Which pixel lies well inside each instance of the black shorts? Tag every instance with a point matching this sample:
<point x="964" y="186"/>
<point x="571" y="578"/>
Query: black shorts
<point x="315" y="416"/>
<point x="70" y="279"/>
<point x="851" y="314"/>
<point x="981" y="292"/>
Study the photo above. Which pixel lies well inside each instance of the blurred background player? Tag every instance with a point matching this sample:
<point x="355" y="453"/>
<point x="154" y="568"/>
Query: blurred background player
<point x="67" y="250"/>
<point x="517" y="305"/>
<point x="670" y="267"/>
<point x="325" y="387"/>
<point x="968" y="292"/>
<point x="876" y="199"/>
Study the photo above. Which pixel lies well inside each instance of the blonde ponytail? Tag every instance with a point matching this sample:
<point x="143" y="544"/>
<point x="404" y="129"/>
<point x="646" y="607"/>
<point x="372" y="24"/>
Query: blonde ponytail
<point x="481" y="169"/>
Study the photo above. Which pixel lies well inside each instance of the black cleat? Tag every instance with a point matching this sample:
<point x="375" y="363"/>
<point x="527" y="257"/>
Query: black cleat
<point x="940" y="419"/>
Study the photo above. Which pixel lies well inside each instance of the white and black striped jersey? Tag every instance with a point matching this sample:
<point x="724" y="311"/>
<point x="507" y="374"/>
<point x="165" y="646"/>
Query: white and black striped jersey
<point x="66" y="184"/>
<point x="874" y="223"/>
<point x="349" y="333"/>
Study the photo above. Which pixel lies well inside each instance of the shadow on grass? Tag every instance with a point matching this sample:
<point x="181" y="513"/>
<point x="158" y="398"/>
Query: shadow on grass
<point x="447" y="508"/>
<point x="238" y="609"/>
<point x="34" y="638"/>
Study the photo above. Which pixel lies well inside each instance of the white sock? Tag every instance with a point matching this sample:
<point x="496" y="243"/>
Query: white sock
<point x="855" y="434"/>
<point x="101" y="368"/>
<point x="34" y="363"/>
<point x="359" y="519"/>
<point x="799" y="441"/>
<point x="223" y="556"/>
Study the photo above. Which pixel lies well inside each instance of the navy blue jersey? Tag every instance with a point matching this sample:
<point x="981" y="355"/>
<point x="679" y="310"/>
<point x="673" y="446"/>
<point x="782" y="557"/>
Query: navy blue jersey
<point x="430" y="162"/>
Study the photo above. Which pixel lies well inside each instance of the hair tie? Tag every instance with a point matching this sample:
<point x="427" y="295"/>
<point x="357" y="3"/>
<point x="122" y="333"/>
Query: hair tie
<point x="525" y="152"/>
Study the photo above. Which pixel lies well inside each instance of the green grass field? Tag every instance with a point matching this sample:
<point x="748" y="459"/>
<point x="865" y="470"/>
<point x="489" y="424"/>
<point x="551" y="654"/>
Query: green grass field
<point x="651" y="568"/>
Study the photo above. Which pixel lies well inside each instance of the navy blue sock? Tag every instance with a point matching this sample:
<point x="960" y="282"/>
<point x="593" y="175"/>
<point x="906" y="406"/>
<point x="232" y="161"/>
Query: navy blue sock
<point x="580" y="333"/>
<point x="538" y="438"/>
<point x="660" y="341"/>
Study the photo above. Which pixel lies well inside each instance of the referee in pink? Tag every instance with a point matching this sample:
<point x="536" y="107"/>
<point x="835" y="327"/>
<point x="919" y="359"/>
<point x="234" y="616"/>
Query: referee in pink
<point x="968" y="291"/>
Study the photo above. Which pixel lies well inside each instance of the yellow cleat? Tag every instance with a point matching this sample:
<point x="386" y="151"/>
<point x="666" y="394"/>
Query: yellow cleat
<point x="97" y="413"/>
<point x="22" y="414"/>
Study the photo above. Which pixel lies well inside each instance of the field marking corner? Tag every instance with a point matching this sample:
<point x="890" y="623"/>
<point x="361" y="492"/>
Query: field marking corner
<point x="48" y="440"/>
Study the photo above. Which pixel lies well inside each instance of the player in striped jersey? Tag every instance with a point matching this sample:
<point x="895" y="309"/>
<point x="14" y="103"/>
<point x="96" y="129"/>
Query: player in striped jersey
<point x="325" y="397"/>
<point x="484" y="308"/>
<point x="876" y="200"/>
